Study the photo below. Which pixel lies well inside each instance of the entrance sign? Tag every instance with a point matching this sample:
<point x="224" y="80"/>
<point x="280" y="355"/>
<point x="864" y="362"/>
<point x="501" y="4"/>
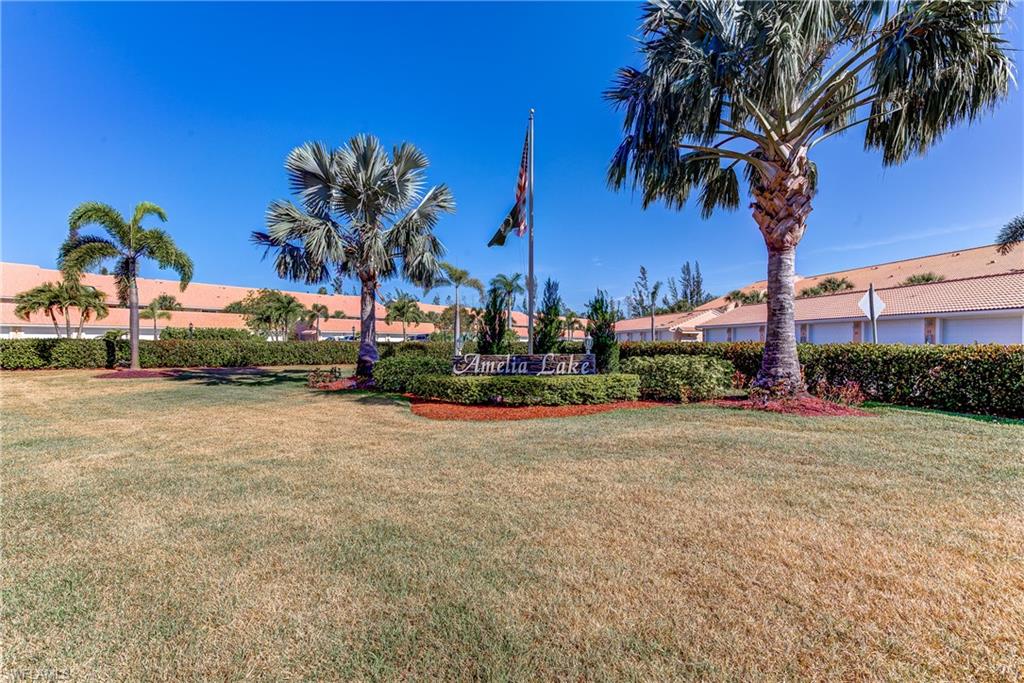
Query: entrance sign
<point x="530" y="364"/>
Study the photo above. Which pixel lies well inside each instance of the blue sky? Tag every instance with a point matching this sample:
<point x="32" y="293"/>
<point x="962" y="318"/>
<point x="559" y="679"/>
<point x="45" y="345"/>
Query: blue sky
<point x="195" y="106"/>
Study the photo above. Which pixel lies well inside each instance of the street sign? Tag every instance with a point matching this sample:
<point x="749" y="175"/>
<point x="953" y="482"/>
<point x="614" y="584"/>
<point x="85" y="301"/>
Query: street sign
<point x="865" y="303"/>
<point x="872" y="305"/>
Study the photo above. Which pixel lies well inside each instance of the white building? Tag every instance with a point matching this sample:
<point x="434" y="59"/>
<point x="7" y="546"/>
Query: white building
<point x="984" y="309"/>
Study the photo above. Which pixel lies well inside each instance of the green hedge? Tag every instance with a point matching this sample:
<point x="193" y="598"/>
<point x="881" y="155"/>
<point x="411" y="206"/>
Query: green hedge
<point x="33" y="354"/>
<point x="518" y="390"/>
<point x="222" y="333"/>
<point x="980" y="378"/>
<point x="396" y="372"/>
<point x="681" y="378"/>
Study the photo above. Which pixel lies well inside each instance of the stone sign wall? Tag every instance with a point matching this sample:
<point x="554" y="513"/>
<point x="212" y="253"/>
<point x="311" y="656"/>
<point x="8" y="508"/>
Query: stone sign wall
<point x="536" y="364"/>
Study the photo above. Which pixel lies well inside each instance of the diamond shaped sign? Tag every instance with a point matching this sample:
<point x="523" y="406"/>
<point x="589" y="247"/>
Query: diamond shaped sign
<point x="865" y="304"/>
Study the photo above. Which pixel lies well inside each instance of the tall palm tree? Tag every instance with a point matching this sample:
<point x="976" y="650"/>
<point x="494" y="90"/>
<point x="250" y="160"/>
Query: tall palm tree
<point x="318" y="312"/>
<point x="652" y="304"/>
<point x="1011" y="235"/>
<point x="511" y="286"/>
<point x="128" y="243"/>
<point x="761" y="84"/>
<point x="159" y="307"/>
<point x="456" y="278"/>
<point x="404" y="309"/>
<point x="364" y="214"/>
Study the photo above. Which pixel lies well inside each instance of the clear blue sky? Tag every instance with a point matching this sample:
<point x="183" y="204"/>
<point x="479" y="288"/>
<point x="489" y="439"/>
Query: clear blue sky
<point x="195" y="106"/>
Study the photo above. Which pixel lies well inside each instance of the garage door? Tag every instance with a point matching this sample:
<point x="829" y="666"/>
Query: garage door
<point x="749" y="333"/>
<point x="900" y="331"/>
<point x="831" y="333"/>
<point x="981" y="330"/>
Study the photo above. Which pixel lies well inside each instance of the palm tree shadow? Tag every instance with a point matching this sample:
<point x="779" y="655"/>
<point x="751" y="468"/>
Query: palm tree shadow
<point x="242" y="377"/>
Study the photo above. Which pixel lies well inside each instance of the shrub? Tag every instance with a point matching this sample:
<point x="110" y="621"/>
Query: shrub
<point x="214" y="353"/>
<point x="79" y="353"/>
<point x="395" y="373"/>
<point x="32" y="354"/>
<point x="681" y="378"/>
<point x="520" y="390"/>
<point x="601" y="316"/>
<point x="848" y="393"/>
<point x="321" y="376"/>
<point x="222" y="333"/>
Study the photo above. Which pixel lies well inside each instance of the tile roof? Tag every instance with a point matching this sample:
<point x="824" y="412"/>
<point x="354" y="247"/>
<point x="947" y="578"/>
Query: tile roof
<point x="203" y="303"/>
<point x="685" y="321"/>
<point x="951" y="265"/>
<point x="983" y="293"/>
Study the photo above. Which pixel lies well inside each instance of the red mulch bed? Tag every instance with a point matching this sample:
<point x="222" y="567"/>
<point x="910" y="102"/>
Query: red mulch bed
<point x="808" y="406"/>
<point x="437" y="410"/>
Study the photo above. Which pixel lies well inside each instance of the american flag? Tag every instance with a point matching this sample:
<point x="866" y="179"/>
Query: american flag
<point x="516" y="218"/>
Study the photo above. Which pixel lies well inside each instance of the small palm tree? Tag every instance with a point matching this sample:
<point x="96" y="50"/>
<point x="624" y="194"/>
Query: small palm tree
<point x="318" y="312"/>
<point x="90" y="302"/>
<point x="511" y="286"/>
<point x="404" y="308"/>
<point x="572" y="322"/>
<point x="128" y="243"/>
<point x="364" y="214"/>
<point x="1011" y="235"/>
<point x="457" y="278"/>
<point x="744" y="298"/>
<point x="45" y="298"/>
<point x="159" y="307"/>
<point x="761" y="84"/>
<point x="922" y="278"/>
<point x="284" y="312"/>
<point x="53" y="299"/>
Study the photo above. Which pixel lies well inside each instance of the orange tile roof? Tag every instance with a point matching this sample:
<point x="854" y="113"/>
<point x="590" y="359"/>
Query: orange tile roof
<point x="686" y="321"/>
<point x="982" y="293"/>
<point x="951" y="265"/>
<point x="203" y="303"/>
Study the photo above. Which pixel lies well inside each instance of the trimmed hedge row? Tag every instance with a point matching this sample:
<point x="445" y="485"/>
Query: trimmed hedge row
<point x="396" y="372"/>
<point x="980" y="378"/>
<point x="522" y="390"/>
<point x="34" y="354"/>
<point x="681" y="378"/>
<point x="223" y="333"/>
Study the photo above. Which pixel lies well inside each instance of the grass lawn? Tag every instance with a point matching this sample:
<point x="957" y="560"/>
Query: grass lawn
<point x="244" y="527"/>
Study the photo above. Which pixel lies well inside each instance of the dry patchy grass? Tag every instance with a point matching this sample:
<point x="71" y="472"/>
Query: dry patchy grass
<point x="244" y="527"/>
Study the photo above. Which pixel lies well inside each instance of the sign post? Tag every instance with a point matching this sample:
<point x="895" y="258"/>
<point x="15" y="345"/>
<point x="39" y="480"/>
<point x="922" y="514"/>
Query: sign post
<point x="872" y="305"/>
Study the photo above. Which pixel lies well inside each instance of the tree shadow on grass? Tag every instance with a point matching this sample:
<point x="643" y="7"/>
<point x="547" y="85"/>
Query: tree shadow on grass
<point x="242" y="377"/>
<point x="991" y="419"/>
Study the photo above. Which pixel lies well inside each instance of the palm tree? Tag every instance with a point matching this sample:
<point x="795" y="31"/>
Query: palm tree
<point x="90" y="302"/>
<point x="128" y="243"/>
<point x="284" y="311"/>
<point x="459" y="277"/>
<point x="45" y="298"/>
<point x="363" y="213"/>
<point x="159" y="307"/>
<point x="742" y="298"/>
<point x="510" y="285"/>
<point x="53" y="299"/>
<point x="652" y="304"/>
<point x="318" y="312"/>
<point x="763" y="83"/>
<point x="404" y="308"/>
<point x="572" y="321"/>
<point x="1011" y="235"/>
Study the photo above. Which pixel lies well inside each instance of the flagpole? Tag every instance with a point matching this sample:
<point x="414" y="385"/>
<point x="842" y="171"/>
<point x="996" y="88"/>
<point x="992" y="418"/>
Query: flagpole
<point x="531" y="287"/>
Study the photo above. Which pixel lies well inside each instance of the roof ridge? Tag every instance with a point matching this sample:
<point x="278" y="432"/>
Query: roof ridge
<point x="899" y="260"/>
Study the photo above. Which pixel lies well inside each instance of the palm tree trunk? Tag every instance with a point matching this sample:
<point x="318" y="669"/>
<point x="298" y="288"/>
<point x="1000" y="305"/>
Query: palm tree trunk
<point x="53" y="319"/>
<point x="81" y="323"/>
<point x="404" y="337"/>
<point x="368" y="328"/>
<point x="67" y="322"/>
<point x="154" y="329"/>
<point x="781" y="205"/>
<point x="652" y="323"/>
<point x="458" y="325"/>
<point x="133" y="317"/>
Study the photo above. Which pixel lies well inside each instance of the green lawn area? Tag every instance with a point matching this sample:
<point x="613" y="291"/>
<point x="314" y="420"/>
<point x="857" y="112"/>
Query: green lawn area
<point x="244" y="527"/>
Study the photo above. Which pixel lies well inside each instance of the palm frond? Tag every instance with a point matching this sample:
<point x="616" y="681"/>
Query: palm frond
<point x="83" y="252"/>
<point x="143" y="209"/>
<point x="104" y="215"/>
<point x="1011" y="235"/>
<point x="158" y="245"/>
